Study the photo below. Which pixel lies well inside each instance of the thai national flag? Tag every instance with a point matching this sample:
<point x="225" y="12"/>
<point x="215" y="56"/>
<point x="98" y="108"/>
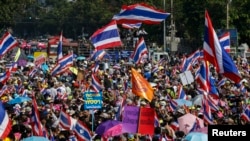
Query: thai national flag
<point x="59" y="48"/>
<point x="96" y="84"/>
<point x="7" y="43"/>
<point x="195" y="126"/>
<point x="139" y="51"/>
<point x="156" y="120"/>
<point x="97" y="55"/>
<point x="13" y="66"/>
<point x="246" y="114"/>
<point x="131" y="26"/>
<point x="33" y="72"/>
<point x="5" y="122"/>
<point x="202" y="77"/>
<point x="181" y="93"/>
<point x="4" y="77"/>
<point x="95" y="67"/>
<point x="216" y="55"/>
<point x="106" y="37"/>
<point x="221" y="82"/>
<point x="63" y="64"/>
<point x="225" y="41"/>
<point x="82" y="132"/>
<point x="35" y="118"/>
<point x="175" y="125"/>
<point x="172" y="105"/>
<point x="140" y="13"/>
<point x="207" y="116"/>
<point x="212" y="103"/>
<point x="3" y="90"/>
<point x="65" y="121"/>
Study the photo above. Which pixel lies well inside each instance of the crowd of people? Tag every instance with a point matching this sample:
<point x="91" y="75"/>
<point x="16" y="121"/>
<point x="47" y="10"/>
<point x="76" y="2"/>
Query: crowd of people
<point x="65" y="91"/>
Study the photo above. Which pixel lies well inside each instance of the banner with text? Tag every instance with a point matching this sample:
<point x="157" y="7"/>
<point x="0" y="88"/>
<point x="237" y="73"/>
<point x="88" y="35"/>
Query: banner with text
<point x="146" y="121"/>
<point x="130" y="119"/>
<point x="92" y="100"/>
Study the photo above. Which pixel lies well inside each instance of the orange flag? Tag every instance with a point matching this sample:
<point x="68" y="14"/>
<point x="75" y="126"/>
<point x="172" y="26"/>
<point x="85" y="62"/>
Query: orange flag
<point x="141" y="87"/>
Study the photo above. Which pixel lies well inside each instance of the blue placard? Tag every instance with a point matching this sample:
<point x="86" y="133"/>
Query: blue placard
<point x="92" y="100"/>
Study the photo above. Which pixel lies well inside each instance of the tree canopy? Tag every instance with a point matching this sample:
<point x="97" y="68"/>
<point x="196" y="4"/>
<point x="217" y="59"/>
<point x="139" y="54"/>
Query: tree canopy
<point x="31" y="18"/>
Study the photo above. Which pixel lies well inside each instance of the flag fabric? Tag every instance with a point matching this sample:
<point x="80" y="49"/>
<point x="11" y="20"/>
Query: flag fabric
<point x="7" y="43"/>
<point x="35" y="118"/>
<point x="207" y="115"/>
<point x="82" y="132"/>
<point x="132" y="26"/>
<point x="59" y="48"/>
<point x="246" y="114"/>
<point x="195" y="126"/>
<point x="65" y="121"/>
<point x="95" y="67"/>
<point x="141" y="87"/>
<point x="106" y="37"/>
<point x="181" y="93"/>
<point x="216" y="55"/>
<point x="4" y="77"/>
<point x="140" y="12"/>
<point x="202" y="77"/>
<point x="63" y="64"/>
<point x="156" y="120"/>
<point x="18" y="53"/>
<point x="225" y="41"/>
<point x="97" y="55"/>
<point x="96" y="84"/>
<point x="139" y="51"/>
<point x="5" y="122"/>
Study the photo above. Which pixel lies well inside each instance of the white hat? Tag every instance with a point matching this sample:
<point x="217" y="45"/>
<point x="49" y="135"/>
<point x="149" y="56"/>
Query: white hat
<point x="163" y="103"/>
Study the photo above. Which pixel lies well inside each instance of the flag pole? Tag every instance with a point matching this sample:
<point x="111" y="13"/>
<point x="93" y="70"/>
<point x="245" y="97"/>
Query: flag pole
<point x="93" y="118"/>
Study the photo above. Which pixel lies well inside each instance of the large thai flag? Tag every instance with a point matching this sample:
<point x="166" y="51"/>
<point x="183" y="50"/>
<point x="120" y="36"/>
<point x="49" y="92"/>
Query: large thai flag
<point x="96" y="84"/>
<point x="106" y="37"/>
<point x="62" y="65"/>
<point x="82" y="132"/>
<point x="65" y="121"/>
<point x="216" y="55"/>
<point x="7" y="43"/>
<point x="225" y="41"/>
<point x="95" y="67"/>
<point x="132" y="26"/>
<point x="35" y="118"/>
<point x="139" y="51"/>
<point x="140" y="13"/>
<point x="5" y="122"/>
<point x="59" y="48"/>
<point x="246" y="114"/>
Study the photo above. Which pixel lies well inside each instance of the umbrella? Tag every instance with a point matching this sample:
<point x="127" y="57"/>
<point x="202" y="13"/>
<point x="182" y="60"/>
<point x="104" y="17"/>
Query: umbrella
<point x="197" y="100"/>
<point x="196" y="136"/>
<point x="202" y="130"/>
<point x="30" y="57"/>
<point x="19" y="99"/>
<point x="187" y="121"/>
<point x="35" y="138"/>
<point x="105" y="126"/>
<point x="182" y="102"/>
<point x="80" y="58"/>
<point x="114" y="131"/>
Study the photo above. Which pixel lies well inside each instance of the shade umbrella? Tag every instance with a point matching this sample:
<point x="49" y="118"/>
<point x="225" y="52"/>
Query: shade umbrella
<point x="196" y="136"/>
<point x="30" y="57"/>
<point x="197" y="100"/>
<point x="187" y="122"/>
<point x="35" y="138"/>
<point x="182" y="102"/>
<point x="113" y="131"/>
<point x="80" y="58"/>
<point x="19" y="100"/>
<point x="202" y="130"/>
<point x="105" y="126"/>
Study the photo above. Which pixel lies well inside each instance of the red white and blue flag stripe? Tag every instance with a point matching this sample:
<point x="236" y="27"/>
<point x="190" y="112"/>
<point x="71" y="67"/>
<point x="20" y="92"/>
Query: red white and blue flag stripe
<point x="140" y="12"/>
<point x="96" y="84"/>
<point x="246" y="114"/>
<point x="131" y="26"/>
<point x="5" y="122"/>
<point x="216" y="55"/>
<point x="82" y="132"/>
<point x="59" y="48"/>
<point x="139" y="51"/>
<point x="181" y="93"/>
<point x="207" y="115"/>
<point x="7" y="43"/>
<point x="35" y="118"/>
<point x="225" y="41"/>
<point x="65" y="121"/>
<point x="106" y="37"/>
<point x="195" y="126"/>
<point x="4" y="77"/>
<point x="97" y="55"/>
